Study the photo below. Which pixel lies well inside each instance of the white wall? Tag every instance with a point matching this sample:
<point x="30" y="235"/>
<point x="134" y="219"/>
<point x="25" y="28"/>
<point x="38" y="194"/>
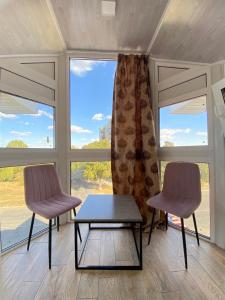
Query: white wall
<point x="217" y="73"/>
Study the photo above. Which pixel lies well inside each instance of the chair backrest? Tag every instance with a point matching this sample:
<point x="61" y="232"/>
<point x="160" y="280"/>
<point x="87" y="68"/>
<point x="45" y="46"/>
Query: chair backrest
<point x="182" y="180"/>
<point x="40" y="183"/>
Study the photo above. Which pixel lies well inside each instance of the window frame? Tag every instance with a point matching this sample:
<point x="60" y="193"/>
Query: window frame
<point x="200" y="154"/>
<point x="50" y="103"/>
<point x="39" y="233"/>
<point x="86" y="152"/>
<point x="12" y="157"/>
<point x="82" y="155"/>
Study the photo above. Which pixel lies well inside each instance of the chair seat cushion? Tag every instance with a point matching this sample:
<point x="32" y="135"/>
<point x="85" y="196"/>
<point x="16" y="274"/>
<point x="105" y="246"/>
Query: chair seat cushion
<point x="182" y="208"/>
<point x="55" y="206"/>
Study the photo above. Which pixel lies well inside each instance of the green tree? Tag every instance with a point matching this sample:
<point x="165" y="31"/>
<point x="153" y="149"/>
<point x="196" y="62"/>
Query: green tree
<point x="75" y="166"/>
<point x="97" y="171"/>
<point x="103" y="144"/>
<point x="16" y="144"/>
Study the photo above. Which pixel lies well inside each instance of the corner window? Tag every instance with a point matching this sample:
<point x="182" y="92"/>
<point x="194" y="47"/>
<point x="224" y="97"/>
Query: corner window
<point x="184" y="123"/>
<point x="25" y="123"/>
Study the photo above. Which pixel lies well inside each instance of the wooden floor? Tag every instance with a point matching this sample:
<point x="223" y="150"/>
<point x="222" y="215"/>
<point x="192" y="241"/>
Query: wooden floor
<point x="25" y="275"/>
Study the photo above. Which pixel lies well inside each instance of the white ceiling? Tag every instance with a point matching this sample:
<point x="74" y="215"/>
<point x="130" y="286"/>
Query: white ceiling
<point x="190" y="30"/>
<point x="83" y="26"/>
<point x="27" y="27"/>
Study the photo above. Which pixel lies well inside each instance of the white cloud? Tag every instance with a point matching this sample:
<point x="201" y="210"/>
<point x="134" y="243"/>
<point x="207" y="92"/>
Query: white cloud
<point x="7" y="116"/>
<point x="169" y="133"/>
<point x="101" y="116"/>
<point x="187" y="130"/>
<point x="98" y="117"/>
<point x="50" y="127"/>
<point x="41" y="113"/>
<point x="78" y="129"/>
<point x="201" y="133"/>
<point x="21" y="133"/>
<point x="81" y="67"/>
<point x="26" y="123"/>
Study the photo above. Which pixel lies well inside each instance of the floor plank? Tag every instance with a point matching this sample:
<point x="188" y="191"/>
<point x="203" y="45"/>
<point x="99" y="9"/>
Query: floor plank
<point x="25" y="275"/>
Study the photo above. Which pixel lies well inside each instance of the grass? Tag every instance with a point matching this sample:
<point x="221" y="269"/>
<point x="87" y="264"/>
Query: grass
<point x="12" y="193"/>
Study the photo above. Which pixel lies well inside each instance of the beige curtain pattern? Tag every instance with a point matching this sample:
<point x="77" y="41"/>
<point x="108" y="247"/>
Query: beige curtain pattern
<point x="133" y="151"/>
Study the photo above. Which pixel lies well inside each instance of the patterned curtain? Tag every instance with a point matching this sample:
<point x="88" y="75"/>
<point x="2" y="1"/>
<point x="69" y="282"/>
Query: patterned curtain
<point x="133" y="151"/>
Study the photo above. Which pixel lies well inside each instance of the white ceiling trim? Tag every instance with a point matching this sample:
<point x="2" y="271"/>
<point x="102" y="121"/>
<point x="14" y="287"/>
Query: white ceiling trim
<point x="181" y="63"/>
<point x="82" y="53"/>
<point x="55" y="21"/>
<point x="158" y="27"/>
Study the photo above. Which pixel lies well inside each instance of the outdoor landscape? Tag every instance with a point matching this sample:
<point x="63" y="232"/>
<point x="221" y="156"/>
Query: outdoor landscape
<point x="86" y="178"/>
<point x="91" y="93"/>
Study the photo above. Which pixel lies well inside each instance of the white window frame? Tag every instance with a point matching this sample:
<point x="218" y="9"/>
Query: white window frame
<point x="12" y="157"/>
<point x="83" y="155"/>
<point x="201" y="154"/>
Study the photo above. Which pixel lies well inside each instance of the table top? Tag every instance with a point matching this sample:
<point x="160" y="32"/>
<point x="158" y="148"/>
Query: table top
<point x="109" y="208"/>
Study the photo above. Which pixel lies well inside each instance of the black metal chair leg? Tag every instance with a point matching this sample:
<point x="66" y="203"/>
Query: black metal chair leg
<point x="152" y="224"/>
<point x="74" y="212"/>
<point x="50" y="244"/>
<point x="184" y="242"/>
<point x="166" y="221"/>
<point x="57" y="223"/>
<point x="31" y="229"/>
<point x="196" y="229"/>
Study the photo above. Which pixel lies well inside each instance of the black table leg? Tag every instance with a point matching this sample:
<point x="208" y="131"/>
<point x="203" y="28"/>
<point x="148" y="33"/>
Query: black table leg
<point x="76" y="244"/>
<point x="140" y="252"/>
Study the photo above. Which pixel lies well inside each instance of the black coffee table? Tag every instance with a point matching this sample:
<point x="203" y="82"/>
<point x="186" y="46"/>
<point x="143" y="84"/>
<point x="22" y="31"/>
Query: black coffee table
<point x="109" y="209"/>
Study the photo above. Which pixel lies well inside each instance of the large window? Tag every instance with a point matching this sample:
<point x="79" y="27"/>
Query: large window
<point x="184" y="123"/>
<point x="25" y="123"/>
<point x="14" y="214"/>
<point x="185" y="133"/>
<point x="91" y="93"/>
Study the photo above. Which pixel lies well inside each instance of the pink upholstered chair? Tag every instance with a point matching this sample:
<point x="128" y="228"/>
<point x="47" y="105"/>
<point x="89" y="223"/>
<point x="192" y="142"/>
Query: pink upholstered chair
<point x="44" y="196"/>
<point x="181" y="195"/>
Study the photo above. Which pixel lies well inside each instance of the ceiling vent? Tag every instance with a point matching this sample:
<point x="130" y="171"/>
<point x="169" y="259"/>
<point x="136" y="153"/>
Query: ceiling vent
<point x="108" y="8"/>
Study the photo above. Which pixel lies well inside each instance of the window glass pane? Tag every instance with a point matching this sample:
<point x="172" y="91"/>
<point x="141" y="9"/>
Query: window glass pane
<point x="90" y="178"/>
<point x="15" y="217"/>
<point x="91" y="93"/>
<point x="203" y="212"/>
<point x="184" y="123"/>
<point x="25" y="123"/>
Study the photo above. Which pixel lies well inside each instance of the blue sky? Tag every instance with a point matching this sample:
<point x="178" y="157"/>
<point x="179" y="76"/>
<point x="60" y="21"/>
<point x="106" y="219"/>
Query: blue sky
<point x="35" y="129"/>
<point x="183" y="129"/>
<point x="91" y="92"/>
